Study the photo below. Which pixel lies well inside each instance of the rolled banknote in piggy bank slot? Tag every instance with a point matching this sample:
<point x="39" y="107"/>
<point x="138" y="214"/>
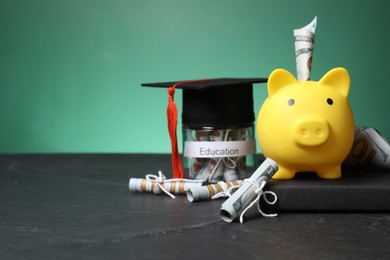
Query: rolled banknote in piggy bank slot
<point x="304" y="47"/>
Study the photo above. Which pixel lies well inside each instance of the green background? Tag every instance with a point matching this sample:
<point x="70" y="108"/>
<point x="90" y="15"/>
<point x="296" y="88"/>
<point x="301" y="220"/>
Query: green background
<point x="70" y="70"/>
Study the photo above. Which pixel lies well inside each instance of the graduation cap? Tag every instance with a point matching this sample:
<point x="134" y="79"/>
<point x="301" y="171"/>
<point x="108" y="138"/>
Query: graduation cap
<point x="208" y="103"/>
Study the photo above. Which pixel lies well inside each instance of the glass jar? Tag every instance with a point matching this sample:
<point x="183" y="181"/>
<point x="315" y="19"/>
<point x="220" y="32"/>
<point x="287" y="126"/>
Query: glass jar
<point x="214" y="154"/>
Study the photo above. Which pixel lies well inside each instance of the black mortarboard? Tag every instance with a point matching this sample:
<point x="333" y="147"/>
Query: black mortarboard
<point x="215" y="103"/>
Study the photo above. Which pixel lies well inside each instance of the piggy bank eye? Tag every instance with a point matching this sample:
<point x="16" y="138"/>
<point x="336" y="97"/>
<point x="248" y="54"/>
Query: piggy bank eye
<point x="291" y="102"/>
<point x="329" y="101"/>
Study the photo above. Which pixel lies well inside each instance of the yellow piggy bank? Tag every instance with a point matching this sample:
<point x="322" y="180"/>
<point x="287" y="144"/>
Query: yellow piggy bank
<point x="306" y="126"/>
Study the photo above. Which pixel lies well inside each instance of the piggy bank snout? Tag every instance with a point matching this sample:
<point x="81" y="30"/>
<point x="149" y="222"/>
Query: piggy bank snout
<point x="310" y="131"/>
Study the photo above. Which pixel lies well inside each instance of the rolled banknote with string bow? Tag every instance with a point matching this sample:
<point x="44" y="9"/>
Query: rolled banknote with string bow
<point x="159" y="184"/>
<point x="241" y="198"/>
<point x="304" y="46"/>
<point x="216" y="164"/>
<point x="212" y="191"/>
<point x="198" y="166"/>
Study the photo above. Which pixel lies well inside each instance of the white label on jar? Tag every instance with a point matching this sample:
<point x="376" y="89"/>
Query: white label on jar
<point x="219" y="149"/>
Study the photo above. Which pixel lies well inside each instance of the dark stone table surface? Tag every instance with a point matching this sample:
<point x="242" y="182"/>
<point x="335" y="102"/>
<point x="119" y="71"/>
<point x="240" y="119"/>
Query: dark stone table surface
<point x="78" y="206"/>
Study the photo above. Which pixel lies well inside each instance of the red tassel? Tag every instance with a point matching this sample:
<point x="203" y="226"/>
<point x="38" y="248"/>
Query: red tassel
<point x="172" y="125"/>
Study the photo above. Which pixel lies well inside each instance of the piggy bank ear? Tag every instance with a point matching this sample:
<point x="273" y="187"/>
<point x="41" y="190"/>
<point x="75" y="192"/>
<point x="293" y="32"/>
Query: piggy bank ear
<point x="278" y="79"/>
<point x="339" y="79"/>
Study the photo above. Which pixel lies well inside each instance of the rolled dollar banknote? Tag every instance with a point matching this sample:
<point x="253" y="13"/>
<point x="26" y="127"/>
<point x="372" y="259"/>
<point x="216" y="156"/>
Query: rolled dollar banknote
<point x="370" y="149"/>
<point x="209" y="191"/>
<point x="159" y="184"/>
<point x="242" y="197"/>
<point x="304" y="46"/>
<point x="198" y="166"/>
<point x="216" y="163"/>
<point x="241" y="169"/>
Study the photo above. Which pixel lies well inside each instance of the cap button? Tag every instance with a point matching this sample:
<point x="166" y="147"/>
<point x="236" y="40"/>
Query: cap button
<point x="171" y="93"/>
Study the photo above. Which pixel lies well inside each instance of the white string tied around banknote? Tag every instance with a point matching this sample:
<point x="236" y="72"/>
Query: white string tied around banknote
<point x="259" y="191"/>
<point x="225" y="192"/>
<point x="161" y="179"/>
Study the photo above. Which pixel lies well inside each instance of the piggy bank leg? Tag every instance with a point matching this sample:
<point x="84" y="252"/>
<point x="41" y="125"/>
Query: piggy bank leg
<point x="330" y="173"/>
<point x="284" y="174"/>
